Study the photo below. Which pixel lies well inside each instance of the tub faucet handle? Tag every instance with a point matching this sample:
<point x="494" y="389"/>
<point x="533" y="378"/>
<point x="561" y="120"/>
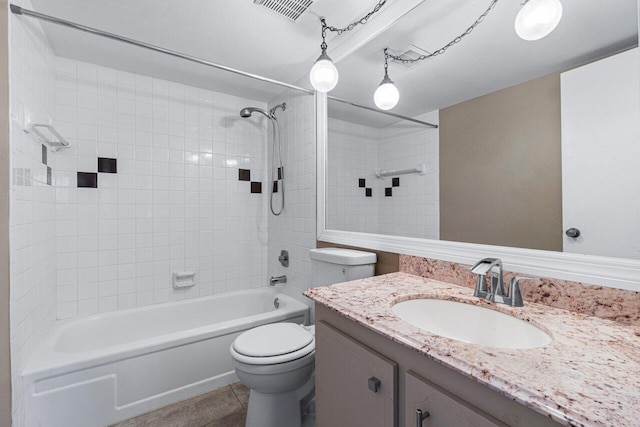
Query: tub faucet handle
<point x="284" y="258"/>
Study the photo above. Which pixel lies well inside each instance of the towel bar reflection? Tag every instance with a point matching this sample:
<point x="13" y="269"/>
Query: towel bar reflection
<point x="420" y="170"/>
<point x="39" y="126"/>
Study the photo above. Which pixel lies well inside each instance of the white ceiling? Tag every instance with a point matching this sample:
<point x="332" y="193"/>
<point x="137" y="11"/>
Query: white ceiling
<point x="239" y="34"/>
<point x="235" y="33"/>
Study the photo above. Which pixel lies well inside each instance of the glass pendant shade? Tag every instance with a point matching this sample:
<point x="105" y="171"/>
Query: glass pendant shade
<point x="386" y="95"/>
<point x="323" y="75"/>
<point x="538" y="18"/>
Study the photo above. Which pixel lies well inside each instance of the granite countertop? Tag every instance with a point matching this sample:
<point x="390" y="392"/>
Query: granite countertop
<point x="589" y="375"/>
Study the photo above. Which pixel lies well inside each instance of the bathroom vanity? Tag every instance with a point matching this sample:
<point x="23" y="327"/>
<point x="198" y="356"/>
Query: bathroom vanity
<point x="373" y="369"/>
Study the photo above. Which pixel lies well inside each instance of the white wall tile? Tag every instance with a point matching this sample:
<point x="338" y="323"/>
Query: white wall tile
<point x="294" y="230"/>
<point x="141" y="218"/>
<point x="33" y="210"/>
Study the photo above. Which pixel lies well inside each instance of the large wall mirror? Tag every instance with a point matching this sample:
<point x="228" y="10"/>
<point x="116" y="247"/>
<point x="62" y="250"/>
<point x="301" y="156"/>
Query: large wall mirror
<point x="537" y="148"/>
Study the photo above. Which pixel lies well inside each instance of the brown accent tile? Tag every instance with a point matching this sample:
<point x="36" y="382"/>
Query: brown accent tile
<point x="44" y="154"/>
<point x="388" y="192"/>
<point x="368" y="192"/>
<point x="275" y="186"/>
<point x="362" y="182"/>
<point x="280" y="173"/>
<point x="395" y="182"/>
<point x="256" y="187"/>
<point x="244" y="174"/>
<point x="107" y="165"/>
<point x="87" y="180"/>
<point x="49" y="177"/>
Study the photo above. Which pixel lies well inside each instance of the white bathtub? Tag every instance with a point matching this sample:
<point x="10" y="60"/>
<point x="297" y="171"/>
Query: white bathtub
<point x="98" y="370"/>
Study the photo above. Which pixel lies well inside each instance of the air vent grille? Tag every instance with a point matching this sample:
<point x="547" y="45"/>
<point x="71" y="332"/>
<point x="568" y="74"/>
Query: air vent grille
<point x="291" y="9"/>
<point x="410" y="52"/>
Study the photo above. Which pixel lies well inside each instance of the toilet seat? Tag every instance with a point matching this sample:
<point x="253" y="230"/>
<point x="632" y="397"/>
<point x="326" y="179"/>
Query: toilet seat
<point x="273" y="344"/>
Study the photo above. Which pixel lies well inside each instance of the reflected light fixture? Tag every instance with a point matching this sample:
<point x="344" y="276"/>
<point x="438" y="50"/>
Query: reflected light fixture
<point x="386" y="95"/>
<point x="324" y="74"/>
<point x="538" y="18"/>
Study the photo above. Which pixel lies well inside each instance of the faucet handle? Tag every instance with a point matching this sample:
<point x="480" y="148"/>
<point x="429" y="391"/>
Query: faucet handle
<point x="482" y="267"/>
<point x="515" y="297"/>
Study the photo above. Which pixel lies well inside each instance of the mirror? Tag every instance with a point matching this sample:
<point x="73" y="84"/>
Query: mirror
<point x="537" y="144"/>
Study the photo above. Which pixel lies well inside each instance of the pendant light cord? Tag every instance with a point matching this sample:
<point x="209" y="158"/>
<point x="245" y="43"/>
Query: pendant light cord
<point x="354" y="24"/>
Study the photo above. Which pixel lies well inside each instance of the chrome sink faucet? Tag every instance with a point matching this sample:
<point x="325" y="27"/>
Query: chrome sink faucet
<point x="491" y="267"/>
<point x="494" y="291"/>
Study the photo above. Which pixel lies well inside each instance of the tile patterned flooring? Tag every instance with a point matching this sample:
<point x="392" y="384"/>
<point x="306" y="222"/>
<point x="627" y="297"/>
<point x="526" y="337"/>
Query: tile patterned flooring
<point x="223" y="407"/>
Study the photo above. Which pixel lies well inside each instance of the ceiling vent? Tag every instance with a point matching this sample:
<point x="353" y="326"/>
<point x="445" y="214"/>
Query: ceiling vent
<point x="291" y="9"/>
<point x="410" y="52"/>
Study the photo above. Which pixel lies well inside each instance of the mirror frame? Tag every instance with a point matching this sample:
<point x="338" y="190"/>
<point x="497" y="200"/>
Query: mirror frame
<point x="597" y="270"/>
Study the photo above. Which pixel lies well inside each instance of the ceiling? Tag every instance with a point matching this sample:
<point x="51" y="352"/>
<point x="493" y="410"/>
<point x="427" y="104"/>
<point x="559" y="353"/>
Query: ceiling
<point x="245" y="36"/>
<point x="237" y="33"/>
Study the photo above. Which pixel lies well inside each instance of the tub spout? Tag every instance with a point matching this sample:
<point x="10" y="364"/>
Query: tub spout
<point x="277" y="279"/>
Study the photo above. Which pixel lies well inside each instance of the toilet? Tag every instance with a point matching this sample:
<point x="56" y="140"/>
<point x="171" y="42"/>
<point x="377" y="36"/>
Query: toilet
<point x="276" y="361"/>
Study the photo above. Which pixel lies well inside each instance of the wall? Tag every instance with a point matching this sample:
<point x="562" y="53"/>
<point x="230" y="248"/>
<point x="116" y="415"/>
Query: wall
<point x="176" y="202"/>
<point x="295" y="229"/>
<point x="33" y="225"/>
<point x="5" y="352"/>
<point x="356" y="151"/>
<point x="500" y="160"/>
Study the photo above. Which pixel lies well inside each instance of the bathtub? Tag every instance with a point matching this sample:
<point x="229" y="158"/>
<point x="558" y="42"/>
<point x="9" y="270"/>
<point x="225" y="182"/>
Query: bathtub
<point x="98" y="370"/>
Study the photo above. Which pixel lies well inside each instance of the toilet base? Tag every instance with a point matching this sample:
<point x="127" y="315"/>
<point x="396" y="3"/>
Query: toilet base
<point x="282" y="409"/>
<point x="274" y="410"/>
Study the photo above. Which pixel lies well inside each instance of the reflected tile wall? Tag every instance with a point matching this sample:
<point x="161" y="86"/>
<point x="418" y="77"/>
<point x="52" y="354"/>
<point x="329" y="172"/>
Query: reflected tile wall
<point x="407" y="207"/>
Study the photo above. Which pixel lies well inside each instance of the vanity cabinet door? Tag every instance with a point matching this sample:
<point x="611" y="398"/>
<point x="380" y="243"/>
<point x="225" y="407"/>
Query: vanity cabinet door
<point x="445" y="409"/>
<point x="355" y="386"/>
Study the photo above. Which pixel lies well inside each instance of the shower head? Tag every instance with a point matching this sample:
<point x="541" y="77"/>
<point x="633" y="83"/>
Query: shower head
<point x="247" y="111"/>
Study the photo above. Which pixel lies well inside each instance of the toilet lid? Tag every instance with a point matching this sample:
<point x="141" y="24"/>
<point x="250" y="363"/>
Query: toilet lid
<point x="272" y="340"/>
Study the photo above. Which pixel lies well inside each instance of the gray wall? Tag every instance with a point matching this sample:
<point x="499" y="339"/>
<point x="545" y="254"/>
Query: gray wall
<point x="500" y="168"/>
<point x="5" y="355"/>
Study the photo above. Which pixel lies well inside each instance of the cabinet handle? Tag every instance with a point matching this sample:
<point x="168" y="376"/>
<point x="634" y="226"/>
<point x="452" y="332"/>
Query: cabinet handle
<point x="374" y="384"/>
<point x="421" y="416"/>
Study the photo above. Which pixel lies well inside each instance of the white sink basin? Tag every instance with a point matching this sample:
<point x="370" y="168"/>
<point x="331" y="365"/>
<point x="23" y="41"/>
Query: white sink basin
<point x="471" y="324"/>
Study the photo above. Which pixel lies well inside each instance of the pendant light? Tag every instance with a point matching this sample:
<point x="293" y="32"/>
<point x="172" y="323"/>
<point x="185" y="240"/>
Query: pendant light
<point x="386" y="95"/>
<point x="538" y="18"/>
<point x="324" y="74"/>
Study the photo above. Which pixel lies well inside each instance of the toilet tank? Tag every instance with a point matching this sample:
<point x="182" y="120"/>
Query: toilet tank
<point x="335" y="265"/>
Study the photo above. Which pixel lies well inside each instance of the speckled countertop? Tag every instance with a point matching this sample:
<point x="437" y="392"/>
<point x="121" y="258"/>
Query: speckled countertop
<point x="589" y="375"/>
